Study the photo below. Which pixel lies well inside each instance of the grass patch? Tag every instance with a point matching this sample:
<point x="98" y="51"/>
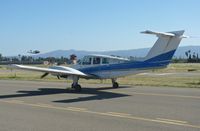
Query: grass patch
<point x="168" y="81"/>
<point x="181" y="67"/>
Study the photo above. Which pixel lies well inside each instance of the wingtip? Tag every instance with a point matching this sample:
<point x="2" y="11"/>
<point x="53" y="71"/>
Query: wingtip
<point x="12" y="66"/>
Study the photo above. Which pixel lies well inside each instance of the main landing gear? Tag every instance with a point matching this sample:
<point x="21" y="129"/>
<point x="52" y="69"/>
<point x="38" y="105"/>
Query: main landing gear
<point x="75" y="84"/>
<point x="114" y="83"/>
<point x="78" y="88"/>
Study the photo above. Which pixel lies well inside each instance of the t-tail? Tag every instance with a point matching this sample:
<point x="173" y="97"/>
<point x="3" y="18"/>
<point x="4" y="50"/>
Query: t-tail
<point x="165" y="47"/>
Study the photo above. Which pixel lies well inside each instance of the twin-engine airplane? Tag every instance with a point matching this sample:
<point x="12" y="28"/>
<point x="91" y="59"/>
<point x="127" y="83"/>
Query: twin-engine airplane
<point x="110" y="67"/>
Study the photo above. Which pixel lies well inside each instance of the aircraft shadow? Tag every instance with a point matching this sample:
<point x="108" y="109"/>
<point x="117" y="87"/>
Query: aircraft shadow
<point x="39" y="92"/>
<point x="97" y="94"/>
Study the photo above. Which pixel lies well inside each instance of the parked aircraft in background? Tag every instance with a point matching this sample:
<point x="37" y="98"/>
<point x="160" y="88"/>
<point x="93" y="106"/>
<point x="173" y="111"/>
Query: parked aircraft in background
<point x="110" y="67"/>
<point x="34" y="52"/>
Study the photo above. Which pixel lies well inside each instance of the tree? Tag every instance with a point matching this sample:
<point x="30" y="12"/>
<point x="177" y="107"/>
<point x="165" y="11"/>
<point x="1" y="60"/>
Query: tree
<point x="1" y="57"/>
<point x="194" y="55"/>
<point x="186" y="53"/>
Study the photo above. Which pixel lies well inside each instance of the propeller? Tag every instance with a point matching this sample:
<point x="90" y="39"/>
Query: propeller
<point x="44" y="75"/>
<point x="58" y="77"/>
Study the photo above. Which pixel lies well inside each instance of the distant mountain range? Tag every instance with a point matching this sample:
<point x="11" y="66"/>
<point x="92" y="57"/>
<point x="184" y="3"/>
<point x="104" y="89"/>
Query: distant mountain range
<point x="180" y="53"/>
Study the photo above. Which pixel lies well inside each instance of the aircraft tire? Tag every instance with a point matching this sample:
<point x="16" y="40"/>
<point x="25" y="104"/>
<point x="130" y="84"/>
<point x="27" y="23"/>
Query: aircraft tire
<point x="77" y="88"/>
<point x="115" y="85"/>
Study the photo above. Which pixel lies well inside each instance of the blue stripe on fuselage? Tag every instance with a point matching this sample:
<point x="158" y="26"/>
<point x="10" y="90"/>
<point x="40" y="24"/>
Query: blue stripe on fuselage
<point x="155" y="62"/>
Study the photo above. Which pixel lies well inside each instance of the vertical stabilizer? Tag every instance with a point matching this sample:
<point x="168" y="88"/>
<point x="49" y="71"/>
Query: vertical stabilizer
<point x="165" y="46"/>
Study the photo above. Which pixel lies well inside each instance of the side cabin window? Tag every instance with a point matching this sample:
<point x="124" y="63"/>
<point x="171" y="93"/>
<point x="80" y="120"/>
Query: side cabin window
<point x="87" y="61"/>
<point x="96" y="60"/>
<point x="105" y="61"/>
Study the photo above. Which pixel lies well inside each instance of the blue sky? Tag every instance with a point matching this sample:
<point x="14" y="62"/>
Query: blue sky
<point x="94" y="25"/>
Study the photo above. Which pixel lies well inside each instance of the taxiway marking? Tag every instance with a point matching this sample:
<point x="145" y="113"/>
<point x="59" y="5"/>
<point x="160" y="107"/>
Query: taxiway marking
<point x="110" y="114"/>
<point x="120" y="114"/>
<point x="172" y="120"/>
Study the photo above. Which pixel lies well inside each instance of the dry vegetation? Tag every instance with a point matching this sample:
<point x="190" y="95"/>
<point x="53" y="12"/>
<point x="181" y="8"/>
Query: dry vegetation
<point x="177" y="75"/>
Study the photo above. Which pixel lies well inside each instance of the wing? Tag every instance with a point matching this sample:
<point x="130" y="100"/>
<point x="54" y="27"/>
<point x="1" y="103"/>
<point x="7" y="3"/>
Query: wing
<point x="57" y="71"/>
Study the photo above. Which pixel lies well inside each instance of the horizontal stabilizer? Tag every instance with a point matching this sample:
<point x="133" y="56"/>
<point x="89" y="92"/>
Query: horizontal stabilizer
<point x="158" y="33"/>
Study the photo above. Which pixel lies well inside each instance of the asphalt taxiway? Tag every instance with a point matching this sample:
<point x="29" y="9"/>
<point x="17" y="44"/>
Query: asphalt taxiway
<point x="32" y="105"/>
